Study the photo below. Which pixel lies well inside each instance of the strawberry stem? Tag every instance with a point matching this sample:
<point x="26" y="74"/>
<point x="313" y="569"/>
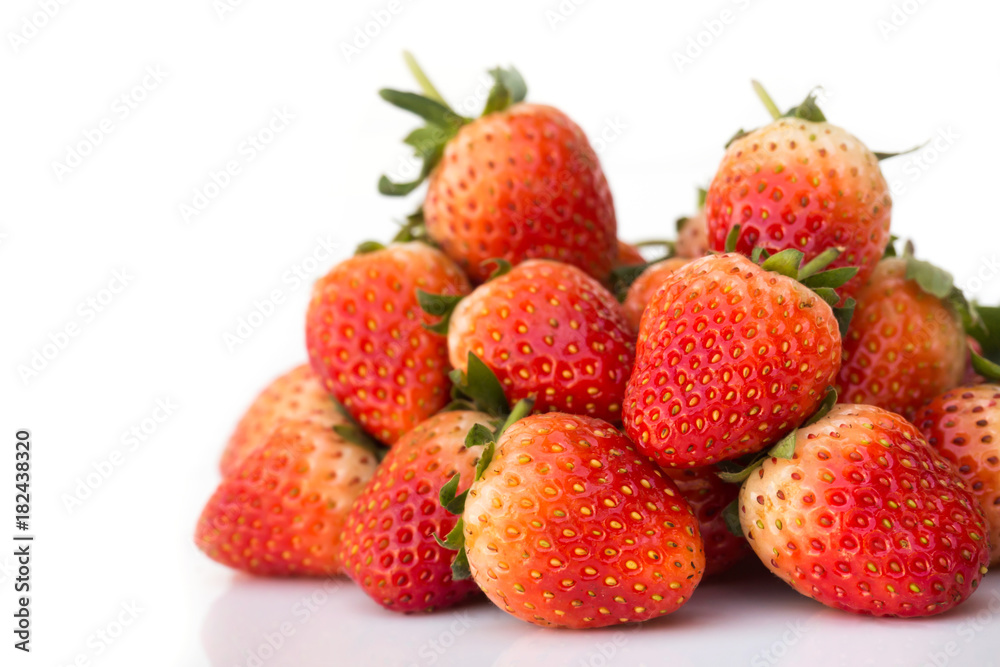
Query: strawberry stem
<point x="772" y="108"/>
<point x="521" y="410"/>
<point x="422" y="79"/>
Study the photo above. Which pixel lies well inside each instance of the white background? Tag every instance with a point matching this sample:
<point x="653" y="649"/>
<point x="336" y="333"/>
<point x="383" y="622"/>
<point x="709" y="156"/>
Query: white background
<point x="613" y="66"/>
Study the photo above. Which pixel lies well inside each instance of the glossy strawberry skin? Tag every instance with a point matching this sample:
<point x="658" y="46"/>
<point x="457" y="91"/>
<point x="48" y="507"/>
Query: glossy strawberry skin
<point x="708" y="496"/>
<point x="388" y="546"/>
<point x="569" y="526"/>
<point x="904" y="346"/>
<point x="628" y="255"/>
<point x="805" y="185"/>
<point x="964" y="426"/>
<point x="641" y="291"/>
<point x="548" y="331"/>
<point x="519" y="184"/>
<point x="729" y="359"/>
<point x="280" y="511"/>
<point x="866" y="517"/>
<point x="295" y="396"/>
<point x="366" y="341"/>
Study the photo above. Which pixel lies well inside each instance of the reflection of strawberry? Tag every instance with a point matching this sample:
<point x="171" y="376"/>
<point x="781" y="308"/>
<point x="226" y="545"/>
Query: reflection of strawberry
<point x="905" y="345"/>
<point x="388" y="546"/>
<point x="549" y="331"/>
<point x="866" y="517"/>
<point x="964" y="425"/>
<point x="802" y="183"/>
<point x="280" y="511"/>
<point x="520" y="182"/>
<point x="708" y="496"/>
<point x="644" y="287"/>
<point x="366" y="340"/>
<point x="295" y="396"/>
<point x="730" y="357"/>
<point x="569" y="526"/>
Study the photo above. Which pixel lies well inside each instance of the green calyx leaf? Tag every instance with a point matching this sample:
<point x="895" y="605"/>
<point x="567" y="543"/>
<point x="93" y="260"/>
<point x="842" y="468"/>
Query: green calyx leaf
<point x="702" y="196"/>
<point x="366" y="247"/>
<point x="759" y="254"/>
<point x="832" y="278"/>
<point x="353" y="433"/>
<point x="808" y="110"/>
<point x="413" y="228"/>
<point x="508" y="89"/>
<point x="786" y="263"/>
<point x="985" y="367"/>
<point x="438" y="305"/>
<point x="623" y="277"/>
<point x="732" y="472"/>
<point x="481" y="386"/>
<point x="454" y="540"/>
<point x="432" y="111"/>
<point x="503" y="267"/>
<point x="455" y="504"/>
<point x="890" y="247"/>
<point x="818" y="263"/>
<point x="985" y="328"/>
<point x="731" y="515"/>
<point x="828" y="294"/>
<point x="885" y="156"/>
<point x="731" y="238"/>
<point x="460" y="566"/>
<point x="932" y="280"/>
<point x="844" y="314"/>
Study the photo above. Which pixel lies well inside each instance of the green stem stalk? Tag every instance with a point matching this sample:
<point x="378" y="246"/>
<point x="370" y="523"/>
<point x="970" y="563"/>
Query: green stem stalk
<point x="772" y="108"/>
<point x="425" y="83"/>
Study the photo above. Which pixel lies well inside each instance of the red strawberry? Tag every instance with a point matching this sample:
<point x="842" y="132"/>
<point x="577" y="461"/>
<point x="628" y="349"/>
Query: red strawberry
<point x="295" y="396"/>
<point x="388" y="546"/>
<point x="520" y="182"/>
<point x="866" y="517"/>
<point x="570" y="526"/>
<point x="692" y="236"/>
<point x="280" y="511"/>
<point x="905" y="345"/>
<point x="802" y="183"/>
<point x="641" y="292"/>
<point x="964" y="426"/>
<point x="730" y="357"/>
<point x="367" y="343"/>
<point x="708" y="496"/>
<point x="628" y="255"/>
<point x="549" y="331"/>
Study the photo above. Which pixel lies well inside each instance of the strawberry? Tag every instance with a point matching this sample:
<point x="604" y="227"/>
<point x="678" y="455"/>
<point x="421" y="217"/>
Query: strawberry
<point x="732" y="355"/>
<point x="628" y="255"/>
<point x="692" y="236"/>
<point x="964" y="426"/>
<point x="366" y="342"/>
<point x="802" y="183"/>
<point x="388" y="546"/>
<point x="295" y="396"/>
<point x="708" y="496"/>
<point x="866" y="517"/>
<point x="548" y="331"/>
<point x="280" y="511"/>
<point x="906" y="345"/>
<point x="520" y="182"/>
<point x="568" y="525"/>
<point x="641" y="291"/>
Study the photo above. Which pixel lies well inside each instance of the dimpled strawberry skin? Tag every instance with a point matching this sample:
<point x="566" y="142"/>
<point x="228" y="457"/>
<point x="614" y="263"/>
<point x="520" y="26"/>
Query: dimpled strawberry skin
<point x="729" y="358"/>
<point x="708" y="496"/>
<point x="904" y="346"/>
<point x="549" y="331"/>
<point x="281" y="510"/>
<point x="519" y="184"/>
<point x="964" y="426"/>
<point x="641" y="291"/>
<point x="867" y="517"/>
<point x="804" y="185"/>
<point x="295" y="396"/>
<point x="366" y="341"/>
<point x="388" y="546"/>
<point x="570" y="526"/>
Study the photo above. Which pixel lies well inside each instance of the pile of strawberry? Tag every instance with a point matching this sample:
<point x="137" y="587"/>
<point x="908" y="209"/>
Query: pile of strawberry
<point x="509" y="400"/>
